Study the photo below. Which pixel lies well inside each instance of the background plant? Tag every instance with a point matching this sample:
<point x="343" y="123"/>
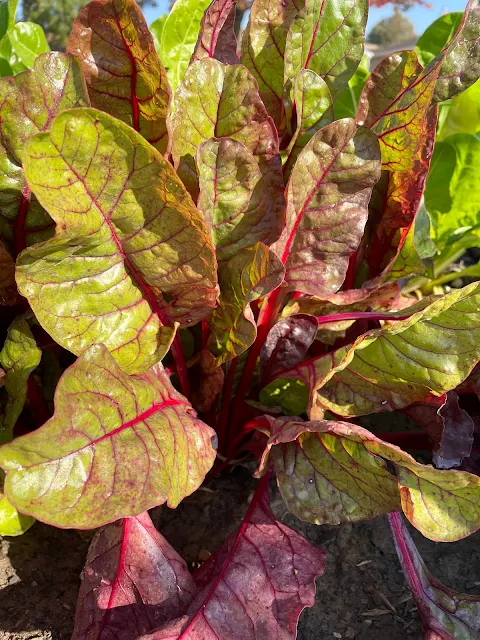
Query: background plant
<point x="223" y="251"/>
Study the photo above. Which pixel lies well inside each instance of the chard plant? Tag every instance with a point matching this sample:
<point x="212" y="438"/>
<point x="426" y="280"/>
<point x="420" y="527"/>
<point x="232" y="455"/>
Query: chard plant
<point x="215" y="249"/>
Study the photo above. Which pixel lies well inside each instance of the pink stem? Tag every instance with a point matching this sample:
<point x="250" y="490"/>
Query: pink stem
<point x="181" y="365"/>
<point x="358" y="315"/>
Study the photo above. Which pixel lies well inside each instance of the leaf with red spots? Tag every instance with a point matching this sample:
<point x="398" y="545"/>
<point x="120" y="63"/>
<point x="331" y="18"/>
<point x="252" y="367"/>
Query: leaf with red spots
<point x="131" y="255"/>
<point x="133" y="582"/>
<point x="116" y="446"/>
<point x="327" y="206"/>
<point x="124" y="75"/>
<point x="255" y="585"/>
<point x="28" y="103"/>
<point x="217" y="36"/>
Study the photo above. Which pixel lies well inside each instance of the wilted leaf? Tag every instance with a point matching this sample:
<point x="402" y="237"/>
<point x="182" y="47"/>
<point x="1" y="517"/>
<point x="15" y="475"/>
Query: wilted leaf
<point x="255" y="585"/>
<point x="452" y="194"/>
<point x="448" y="425"/>
<point x="133" y="582"/>
<point x="246" y="277"/>
<point x="124" y="75"/>
<point x="387" y="369"/>
<point x="325" y="217"/>
<point x="263" y="49"/>
<point x="446" y="614"/>
<point x="209" y="379"/>
<point x="234" y="197"/>
<point x="12" y="523"/>
<point x="8" y="287"/>
<point x="81" y="468"/>
<point x="28" y="104"/>
<point x="287" y="342"/>
<point x="326" y="37"/>
<point x="222" y="101"/>
<point x="18" y="357"/>
<point x="217" y="37"/>
<point x="127" y="232"/>
<point x="319" y="483"/>
<point x="178" y="37"/>
<point x="314" y="109"/>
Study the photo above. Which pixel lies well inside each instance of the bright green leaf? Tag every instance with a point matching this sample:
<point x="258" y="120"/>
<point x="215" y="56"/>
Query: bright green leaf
<point x="8" y="10"/>
<point x="28" y="41"/>
<point x="437" y="36"/>
<point x="246" y="277"/>
<point x="12" y="523"/>
<point x="127" y="232"/>
<point x="18" y="357"/>
<point x="291" y="396"/>
<point x="346" y="105"/>
<point x="462" y="115"/>
<point x="81" y="469"/>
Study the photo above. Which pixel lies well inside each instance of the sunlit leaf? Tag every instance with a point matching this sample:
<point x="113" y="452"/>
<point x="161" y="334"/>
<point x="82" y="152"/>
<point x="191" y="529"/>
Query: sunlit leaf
<point x="217" y="37"/>
<point x="287" y="342"/>
<point x="437" y="35"/>
<point x="127" y="232"/>
<point x="124" y="75"/>
<point x="81" y="468"/>
<point x="12" y="523"/>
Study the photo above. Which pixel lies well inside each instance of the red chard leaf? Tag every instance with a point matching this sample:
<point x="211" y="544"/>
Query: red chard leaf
<point x="143" y="259"/>
<point x="124" y="75"/>
<point x="81" y="469"/>
<point x="217" y="37"/>
<point x="445" y="614"/>
<point x="325" y="217"/>
<point x="449" y="426"/>
<point x="263" y="50"/>
<point x="28" y="103"/>
<point x="133" y="582"/>
<point x="255" y="585"/>
<point x="8" y="287"/>
<point x="287" y="342"/>
<point x="209" y="379"/>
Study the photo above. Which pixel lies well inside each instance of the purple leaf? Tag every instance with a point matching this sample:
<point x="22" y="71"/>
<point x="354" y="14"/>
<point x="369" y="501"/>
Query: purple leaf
<point x="133" y="581"/>
<point x="446" y="615"/>
<point x="217" y="36"/>
<point x="255" y="586"/>
<point x="287" y="342"/>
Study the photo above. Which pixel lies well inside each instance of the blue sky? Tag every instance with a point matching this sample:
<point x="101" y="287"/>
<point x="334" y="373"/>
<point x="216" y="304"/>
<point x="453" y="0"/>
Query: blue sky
<point x="420" y="16"/>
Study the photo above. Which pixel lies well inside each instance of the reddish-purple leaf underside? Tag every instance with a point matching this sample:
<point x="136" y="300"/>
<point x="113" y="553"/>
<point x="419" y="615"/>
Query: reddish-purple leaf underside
<point x="217" y="37"/>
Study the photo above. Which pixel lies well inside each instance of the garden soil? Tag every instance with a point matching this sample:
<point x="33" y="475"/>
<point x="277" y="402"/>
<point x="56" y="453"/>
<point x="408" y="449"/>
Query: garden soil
<point x="362" y="594"/>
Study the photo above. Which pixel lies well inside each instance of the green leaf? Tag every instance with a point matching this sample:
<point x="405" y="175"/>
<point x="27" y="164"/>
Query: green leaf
<point x="81" y="469"/>
<point x="234" y="198"/>
<point x="424" y="244"/>
<point x="178" y="37"/>
<point x="12" y="523"/>
<point x="431" y="352"/>
<point x="462" y="114"/>
<point x="327" y="37"/>
<point x="28" y="41"/>
<point x="156" y="29"/>
<point x="217" y="37"/>
<point x="346" y="105"/>
<point x="8" y="10"/>
<point x="325" y="218"/>
<point x="452" y="194"/>
<point x="290" y="396"/>
<point x="18" y="357"/>
<point x="219" y="101"/>
<point x="127" y="232"/>
<point x="314" y="110"/>
<point x="246" y="277"/>
<point x="124" y="74"/>
<point x="407" y="262"/>
<point x="437" y="36"/>
<point x="333" y="472"/>
<point x="263" y="49"/>
<point x="28" y="103"/>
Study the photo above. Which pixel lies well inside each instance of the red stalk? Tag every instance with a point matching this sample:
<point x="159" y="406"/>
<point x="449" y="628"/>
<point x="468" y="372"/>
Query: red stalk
<point x="181" y="365"/>
<point x="226" y="398"/>
<point x="358" y="315"/>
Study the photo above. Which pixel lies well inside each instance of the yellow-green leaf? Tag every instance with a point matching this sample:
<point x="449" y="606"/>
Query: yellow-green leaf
<point x="127" y="232"/>
<point x="12" y="523"/>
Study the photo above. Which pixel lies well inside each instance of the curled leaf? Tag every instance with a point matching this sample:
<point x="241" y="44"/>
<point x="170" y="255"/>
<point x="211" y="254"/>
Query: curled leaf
<point x="124" y="75"/>
<point x="258" y="582"/>
<point x="127" y="232"/>
<point x="234" y="197"/>
<point x="18" y="357"/>
<point x="319" y="483"/>
<point x="28" y="103"/>
<point x="325" y="218"/>
<point x="387" y="369"/>
<point x="217" y="37"/>
<point x="248" y="276"/>
<point x="80" y="469"/>
<point x="133" y="582"/>
<point x="446" y="615"/>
